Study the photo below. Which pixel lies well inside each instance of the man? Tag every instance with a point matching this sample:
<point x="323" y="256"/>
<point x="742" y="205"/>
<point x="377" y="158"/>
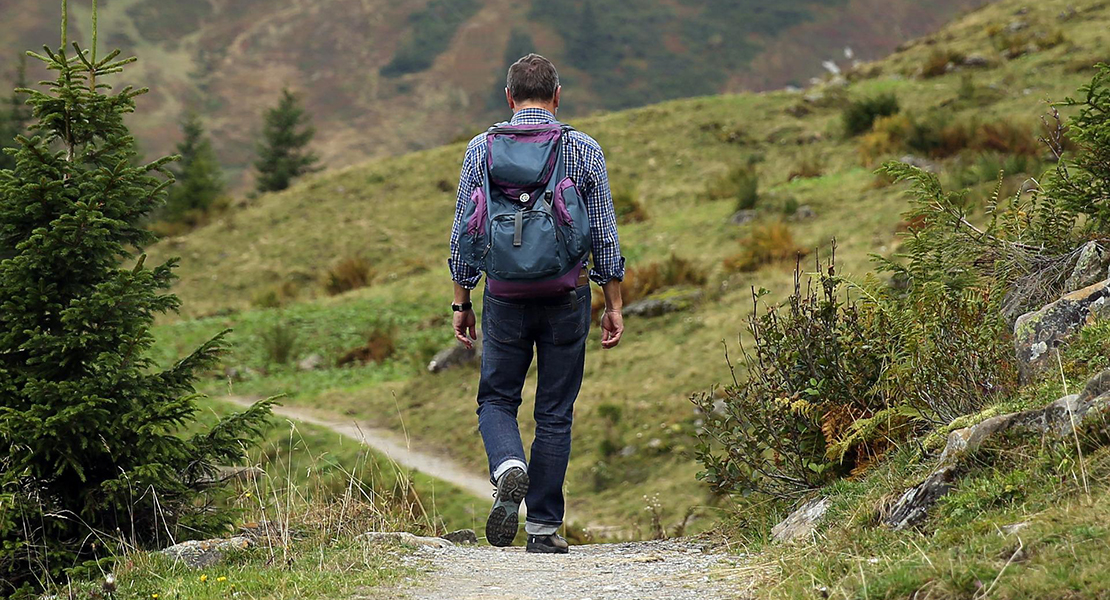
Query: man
<point x="556" y="327"/>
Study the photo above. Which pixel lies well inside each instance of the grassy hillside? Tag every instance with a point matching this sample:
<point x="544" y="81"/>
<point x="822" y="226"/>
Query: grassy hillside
<point x="383" y="78"/>
<point x="261" y="269"/>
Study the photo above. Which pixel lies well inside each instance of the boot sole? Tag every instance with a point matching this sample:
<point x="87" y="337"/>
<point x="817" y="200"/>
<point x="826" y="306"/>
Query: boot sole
<point x="503" y="523"/>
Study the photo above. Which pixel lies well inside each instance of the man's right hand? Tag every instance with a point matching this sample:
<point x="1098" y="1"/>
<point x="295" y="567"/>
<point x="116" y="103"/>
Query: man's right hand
<point x="465" y="324"/>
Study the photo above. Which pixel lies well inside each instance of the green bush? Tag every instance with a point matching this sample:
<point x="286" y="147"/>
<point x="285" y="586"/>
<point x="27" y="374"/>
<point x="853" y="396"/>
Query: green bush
<point x="859" y="115"/>
<point x="740" y="183"/>
<point x="430" y="33"/>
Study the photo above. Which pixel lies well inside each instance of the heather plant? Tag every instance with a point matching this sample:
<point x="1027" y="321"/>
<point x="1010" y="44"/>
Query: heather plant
<point x="859" y="115"/>
<point x="95" y="449"/>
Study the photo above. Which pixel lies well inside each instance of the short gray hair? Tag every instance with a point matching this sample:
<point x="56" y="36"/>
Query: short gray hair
<point x="532" y="78"/>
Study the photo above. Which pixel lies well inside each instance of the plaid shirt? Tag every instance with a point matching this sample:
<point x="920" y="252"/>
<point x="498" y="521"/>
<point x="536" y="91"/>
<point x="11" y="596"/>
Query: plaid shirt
<point x="585" y="164"/>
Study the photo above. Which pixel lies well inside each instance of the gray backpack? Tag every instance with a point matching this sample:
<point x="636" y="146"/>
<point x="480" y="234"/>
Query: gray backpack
<point x="526" y="226"/>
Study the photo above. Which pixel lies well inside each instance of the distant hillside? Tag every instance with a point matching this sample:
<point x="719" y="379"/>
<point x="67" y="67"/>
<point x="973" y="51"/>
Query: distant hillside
<point x="385" y="77"/>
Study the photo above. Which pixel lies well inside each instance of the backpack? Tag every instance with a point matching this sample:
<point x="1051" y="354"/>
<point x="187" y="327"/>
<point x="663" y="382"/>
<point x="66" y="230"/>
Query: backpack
<point x="526" y="226"/>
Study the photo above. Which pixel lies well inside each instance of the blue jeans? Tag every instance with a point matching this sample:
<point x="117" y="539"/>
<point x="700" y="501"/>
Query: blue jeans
<point x="557" y="329"/>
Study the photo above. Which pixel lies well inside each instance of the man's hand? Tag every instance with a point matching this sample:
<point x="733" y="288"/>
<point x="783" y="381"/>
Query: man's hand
<point x="465" y="323"/>
<point x="612" y="326"/>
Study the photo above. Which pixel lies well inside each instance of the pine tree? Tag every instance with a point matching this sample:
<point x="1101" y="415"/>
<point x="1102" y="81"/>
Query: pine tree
<point x="90" y="428"/>
<point x="14" y="117"/>
<point x="283" y="154"/>
<point x="199" y="182"/>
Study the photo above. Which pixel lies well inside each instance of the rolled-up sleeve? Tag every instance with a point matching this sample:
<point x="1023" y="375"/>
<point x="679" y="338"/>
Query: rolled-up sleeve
<point x="462" y="273"/>
<point x="608" y="264"/>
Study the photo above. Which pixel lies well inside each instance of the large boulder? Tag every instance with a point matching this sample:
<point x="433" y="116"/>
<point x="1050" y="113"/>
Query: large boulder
<point x="1038" y="334"/>
<point x="456" y="355"/>
<point x="200" y="554"/>
<point x="1058" y="419"/>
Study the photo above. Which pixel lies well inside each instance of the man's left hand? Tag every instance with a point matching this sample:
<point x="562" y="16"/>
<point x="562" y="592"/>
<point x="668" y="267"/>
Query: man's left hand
<point x="464" y="323"/>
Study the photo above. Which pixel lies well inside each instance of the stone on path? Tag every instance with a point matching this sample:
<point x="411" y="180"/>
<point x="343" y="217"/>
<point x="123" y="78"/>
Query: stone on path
<point x="404" y="537"/>
<point x="462" y="536"/>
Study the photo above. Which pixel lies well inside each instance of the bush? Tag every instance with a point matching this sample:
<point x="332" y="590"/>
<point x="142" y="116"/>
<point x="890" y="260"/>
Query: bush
<point x="938" y="61"/>
<point x="765" y="244"/>
<point x="809" y="165"/>
<point x="279" y="343"/>
<point x="641" y="282"/>
<point x="859" y="115"/>
<point x="627" y="206"/>
<point x="348" y="274"/>
<point x="740" y="183"/>
<point x="887" y="136"/>
<point x="380" y="345"/>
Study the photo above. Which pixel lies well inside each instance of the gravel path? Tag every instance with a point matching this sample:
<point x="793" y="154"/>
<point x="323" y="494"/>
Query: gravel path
<point x="673" y="569"/>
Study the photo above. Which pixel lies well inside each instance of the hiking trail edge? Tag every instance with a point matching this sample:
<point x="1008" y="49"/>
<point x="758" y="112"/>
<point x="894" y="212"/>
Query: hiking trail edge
<point x="389" y="443"/>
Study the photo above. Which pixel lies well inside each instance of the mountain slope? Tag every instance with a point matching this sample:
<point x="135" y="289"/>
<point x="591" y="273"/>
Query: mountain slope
<point x="634" y="423"/>
<point x="384" y="77"/>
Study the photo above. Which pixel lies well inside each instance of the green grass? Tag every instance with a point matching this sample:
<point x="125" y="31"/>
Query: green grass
<point x="396" y="213"/>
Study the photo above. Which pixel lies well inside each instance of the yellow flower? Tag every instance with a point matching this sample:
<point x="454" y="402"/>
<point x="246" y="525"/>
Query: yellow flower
<point x="154" y="595"/>
<point x="203" y="578"/>
<point x="221" y="578"/>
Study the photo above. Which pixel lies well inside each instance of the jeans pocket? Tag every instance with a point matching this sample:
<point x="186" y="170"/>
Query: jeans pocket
<point x="502" y="321"/>
<point x="568" y="323"/>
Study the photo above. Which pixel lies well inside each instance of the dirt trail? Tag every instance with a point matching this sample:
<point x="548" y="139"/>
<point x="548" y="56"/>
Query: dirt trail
<point x="673" y="569"/>
<point x="387" y="442"/>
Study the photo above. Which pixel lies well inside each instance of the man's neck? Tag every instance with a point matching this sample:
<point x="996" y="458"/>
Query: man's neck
<point x="548" y="107"/>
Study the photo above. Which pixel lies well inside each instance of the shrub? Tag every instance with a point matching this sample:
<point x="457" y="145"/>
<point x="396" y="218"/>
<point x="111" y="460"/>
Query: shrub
<point x="1082" y="185"/>
<point x="859" y="115"/>
<point x="640" y="282"/>
<point x="809" y="165"/>
<point x="887" y="136"/>
<point x="348" y="274"/>
<point x="938" y="61"/>
<point x="279" y="343"/>
<point x="627" y="206"/>
<point x="740" y="183"/>
<point x="276" y="296"/>
<point x="766" y="243"/>
<point x="380" y="345"/>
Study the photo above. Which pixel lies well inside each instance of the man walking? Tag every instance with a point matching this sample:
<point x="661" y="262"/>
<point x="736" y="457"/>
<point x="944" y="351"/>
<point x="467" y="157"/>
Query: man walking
<point x="533" y="202"/>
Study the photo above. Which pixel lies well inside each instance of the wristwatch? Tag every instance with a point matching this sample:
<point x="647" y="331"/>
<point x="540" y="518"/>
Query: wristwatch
<point x="461" y="307"/>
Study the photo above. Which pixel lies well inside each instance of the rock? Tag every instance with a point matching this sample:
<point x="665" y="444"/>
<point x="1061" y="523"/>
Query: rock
<point x="225" y="474"/>
<point x="921" y="163"/>
<point x="462" y="536"/>
<point x="1090" y="267"/>
<point x="741" y="217"/>
<point x="311" y="362"/>
<point x="660" y="305"/>
<point x="976" y="61"/>
<point x="1014" y="528"/>
<point x="1039" y="333"/>
<point x="404" y="537"/>
<point x="202" y="554"/>
<point x="455" y="356"/>
<point x="1016" y="26"/>
<point x="802" y="522"/>
<point x="805" y="212"/>
<point x="1059" y="419"/>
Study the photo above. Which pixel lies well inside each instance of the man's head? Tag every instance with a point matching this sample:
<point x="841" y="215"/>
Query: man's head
<point x="533" y="82"/>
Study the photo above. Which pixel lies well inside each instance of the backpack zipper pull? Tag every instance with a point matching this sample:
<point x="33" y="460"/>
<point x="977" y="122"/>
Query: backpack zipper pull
<point x="518" y="228"/>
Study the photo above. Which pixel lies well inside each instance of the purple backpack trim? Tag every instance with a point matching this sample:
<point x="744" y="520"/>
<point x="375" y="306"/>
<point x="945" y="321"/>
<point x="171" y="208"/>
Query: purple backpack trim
<point x="517" y="290"/>
<point x="561" y="203"/>
<point x="527" y="134"/>
<point x="478" y="219"/>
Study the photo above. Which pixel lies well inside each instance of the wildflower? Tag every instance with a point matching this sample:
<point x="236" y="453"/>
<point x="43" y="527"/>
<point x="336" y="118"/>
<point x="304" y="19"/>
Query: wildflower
<point x="221" y="578"/>
<point x="203" y="578"/>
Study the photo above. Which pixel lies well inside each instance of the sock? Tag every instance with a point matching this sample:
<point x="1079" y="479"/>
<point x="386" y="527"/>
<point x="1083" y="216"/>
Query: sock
<point x="539" y="528"/>
<point x="506" y="465"/>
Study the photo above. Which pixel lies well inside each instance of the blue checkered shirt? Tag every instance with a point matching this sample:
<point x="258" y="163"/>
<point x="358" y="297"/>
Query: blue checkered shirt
<point x="585" y="164"/>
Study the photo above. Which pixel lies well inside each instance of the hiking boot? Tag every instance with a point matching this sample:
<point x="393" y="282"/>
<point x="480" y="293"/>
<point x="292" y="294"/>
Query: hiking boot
<point x="547" y="544"/>
<point x="503" y="524"/>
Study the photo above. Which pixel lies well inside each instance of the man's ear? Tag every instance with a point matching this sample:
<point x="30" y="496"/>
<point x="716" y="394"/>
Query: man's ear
<point x="558" y="95"/>
<point x="509" y="99"/>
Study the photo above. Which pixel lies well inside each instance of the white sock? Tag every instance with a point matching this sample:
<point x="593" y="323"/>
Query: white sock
<point x="508" y="464"/>
<point x="539" y="528"/>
